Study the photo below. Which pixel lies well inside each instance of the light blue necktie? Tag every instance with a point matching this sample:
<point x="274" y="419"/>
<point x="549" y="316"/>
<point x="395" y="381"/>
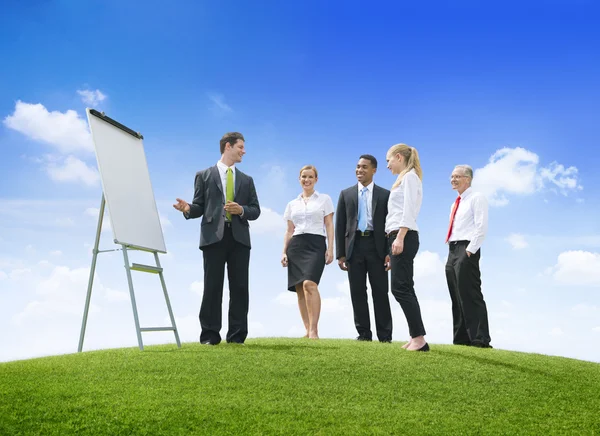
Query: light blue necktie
<point x="362" y="210"/>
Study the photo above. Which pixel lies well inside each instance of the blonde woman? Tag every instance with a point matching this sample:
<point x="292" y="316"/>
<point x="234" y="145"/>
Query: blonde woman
<point x="402" y="232"/>
<point x="309" y="220"/>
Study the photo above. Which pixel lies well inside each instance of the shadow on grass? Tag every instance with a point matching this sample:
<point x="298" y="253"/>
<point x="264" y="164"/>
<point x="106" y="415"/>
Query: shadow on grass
<point x="248" y="347"/>
<point x="493" y="362"/>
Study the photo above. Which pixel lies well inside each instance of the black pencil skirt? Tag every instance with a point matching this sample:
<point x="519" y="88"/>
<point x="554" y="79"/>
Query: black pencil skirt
<point x="306" y="259"/>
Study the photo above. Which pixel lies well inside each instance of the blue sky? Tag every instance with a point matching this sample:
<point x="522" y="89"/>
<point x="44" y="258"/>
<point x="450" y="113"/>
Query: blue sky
<point x="509" y="89"/>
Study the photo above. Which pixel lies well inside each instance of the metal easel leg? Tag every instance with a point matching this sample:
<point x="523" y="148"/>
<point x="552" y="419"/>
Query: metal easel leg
<point x="164" y="286"/>
<point x="92" y="271"/>
<point x="133" y="305"/>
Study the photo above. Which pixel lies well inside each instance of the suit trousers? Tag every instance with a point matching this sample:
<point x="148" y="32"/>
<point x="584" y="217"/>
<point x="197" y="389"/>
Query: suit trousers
<point x="365" y="261"/>
<point x="403" y="285"/>
<point x="237" y="257"/>
<point x="469" y="311"/>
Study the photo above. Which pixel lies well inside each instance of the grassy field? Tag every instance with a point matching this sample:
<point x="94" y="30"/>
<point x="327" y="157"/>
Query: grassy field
<point x="298" y="386"/>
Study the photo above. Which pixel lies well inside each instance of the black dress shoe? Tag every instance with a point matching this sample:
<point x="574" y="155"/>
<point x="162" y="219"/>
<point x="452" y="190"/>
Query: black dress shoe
<point x="387" y="341"/>
<point x="363" y="338"/>
<point x="207" y="343"/>
<point x="480" y="345"/>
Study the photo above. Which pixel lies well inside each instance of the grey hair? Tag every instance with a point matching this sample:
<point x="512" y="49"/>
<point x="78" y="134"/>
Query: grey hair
<point x="467" y="170"/>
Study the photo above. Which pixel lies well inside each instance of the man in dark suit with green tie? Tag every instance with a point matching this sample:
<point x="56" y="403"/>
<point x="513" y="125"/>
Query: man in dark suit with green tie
<point x="226" y="200"/>
<point x="361" y="249"/>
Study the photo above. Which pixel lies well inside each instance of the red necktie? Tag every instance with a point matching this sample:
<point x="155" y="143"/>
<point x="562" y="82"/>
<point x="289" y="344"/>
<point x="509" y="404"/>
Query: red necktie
<point x="452" y="215"/>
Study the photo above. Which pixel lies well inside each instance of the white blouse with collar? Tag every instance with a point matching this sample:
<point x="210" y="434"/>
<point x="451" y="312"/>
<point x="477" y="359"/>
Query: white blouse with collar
<point x="309" y="217"/>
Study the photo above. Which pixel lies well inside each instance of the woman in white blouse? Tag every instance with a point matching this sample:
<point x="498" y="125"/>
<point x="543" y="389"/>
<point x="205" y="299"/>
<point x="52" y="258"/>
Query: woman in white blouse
<point x="309" y="221"/>
<point x="402" y="231"/>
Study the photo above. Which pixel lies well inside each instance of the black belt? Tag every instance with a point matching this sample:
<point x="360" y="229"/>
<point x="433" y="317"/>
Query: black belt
<point x="228" y="224"/>
<point x="394" y="233"/>
<point x="365" y="233"/>
<point x="454" y="243"/>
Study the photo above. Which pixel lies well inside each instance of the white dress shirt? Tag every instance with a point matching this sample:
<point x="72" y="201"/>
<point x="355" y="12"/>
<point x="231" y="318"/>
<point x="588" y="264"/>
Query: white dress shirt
<point x="223" y="173"/>
<point x="369" y="200"/>
<point x="309" y="217"/>
<point x="404" y="203"/>
<point x="471" y="220"/>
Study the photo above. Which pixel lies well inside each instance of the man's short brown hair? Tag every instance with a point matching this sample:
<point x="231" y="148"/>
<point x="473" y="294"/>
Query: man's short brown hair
<point x="232" y="138"/>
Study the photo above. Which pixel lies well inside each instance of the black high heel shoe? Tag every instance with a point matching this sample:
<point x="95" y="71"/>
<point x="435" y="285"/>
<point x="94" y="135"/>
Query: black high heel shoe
<point x="424" y="347"/>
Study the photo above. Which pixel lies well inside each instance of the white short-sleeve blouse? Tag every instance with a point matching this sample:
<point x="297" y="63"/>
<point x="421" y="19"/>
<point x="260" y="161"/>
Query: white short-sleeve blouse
<point x="309" y="217"/>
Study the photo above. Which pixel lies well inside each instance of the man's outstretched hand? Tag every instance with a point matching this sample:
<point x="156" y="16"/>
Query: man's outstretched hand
<point x="182" y="205"/>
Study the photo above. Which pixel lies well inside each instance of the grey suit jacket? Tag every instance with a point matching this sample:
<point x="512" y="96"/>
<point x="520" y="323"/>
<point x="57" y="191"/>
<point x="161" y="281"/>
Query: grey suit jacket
<point x="346" y="221"/>
<point x="209" y="204"/>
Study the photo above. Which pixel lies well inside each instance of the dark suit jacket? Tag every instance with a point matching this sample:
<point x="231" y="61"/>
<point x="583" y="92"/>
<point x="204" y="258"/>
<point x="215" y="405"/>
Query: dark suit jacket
<point x="209" y="201"/>
<point x="346" y="221"/>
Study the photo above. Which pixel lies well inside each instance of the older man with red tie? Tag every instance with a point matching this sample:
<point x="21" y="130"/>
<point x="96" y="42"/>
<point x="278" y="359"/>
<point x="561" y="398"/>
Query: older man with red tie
<point x="466" y="232"/>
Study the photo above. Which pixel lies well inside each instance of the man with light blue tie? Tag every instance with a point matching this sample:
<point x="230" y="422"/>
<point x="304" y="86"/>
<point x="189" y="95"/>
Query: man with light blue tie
<point x="362" y="250"/>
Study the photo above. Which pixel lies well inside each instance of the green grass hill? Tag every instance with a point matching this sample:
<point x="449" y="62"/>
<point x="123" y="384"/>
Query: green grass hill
<point x="299" y="386"/>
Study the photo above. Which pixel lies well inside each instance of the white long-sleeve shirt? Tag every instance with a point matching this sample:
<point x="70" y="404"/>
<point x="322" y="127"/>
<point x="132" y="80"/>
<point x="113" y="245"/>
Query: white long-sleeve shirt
<point x="404" y="203"/>
<point x="471" y="220"/>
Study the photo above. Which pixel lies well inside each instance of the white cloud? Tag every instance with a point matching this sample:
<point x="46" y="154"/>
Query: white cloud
<point x="564" y="179"/>
<point x="219" y="105"/>
<point x="3" y="275"/>
<point x="517" y="241"/>
<point x="336" y="304"/>
<point x="64" y="222"/>
<point x="428" y="264"/>
<point x="56" y="253"/>
<point x="72" y="169"/>
<point x="515" y="171"/>
<point x="584" y="310"/>
<point x="91" y="98"/>
<point x="287" y="298"/>
<point x="67" y="132"/>
<point x="62" y="294"/>
<point x="269" y="222"/>
<point x="165" y="222"/>
<point x="272" y="184"/>
<point x="344" y="287"/>
<point x="115" y="296"/>
<point x="577" y="268"/>
<point x="19" y="273"/>
<point x="430" y="274"/>
<point x="557" y="332"/>
<point x="197" y="287"/>
<point x="596" y="329"/>
<point x="256" y="329"/>
<point x="92" y="211"/>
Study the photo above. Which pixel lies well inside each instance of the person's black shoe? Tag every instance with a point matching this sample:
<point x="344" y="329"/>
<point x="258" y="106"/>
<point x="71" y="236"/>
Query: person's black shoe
<point x="386" y="341"/>
<point x="424" y="347"/>
<point x="209" y="342"/>
<point x="480" y="345"/>
<point x="363" y="338"/>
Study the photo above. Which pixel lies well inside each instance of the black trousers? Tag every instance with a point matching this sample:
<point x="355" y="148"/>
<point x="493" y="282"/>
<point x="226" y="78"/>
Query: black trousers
<point x="365" y="261"/>
<point x="469" y="311"/>
<point x="237" y="258"/>
<point x="403" y="285"/>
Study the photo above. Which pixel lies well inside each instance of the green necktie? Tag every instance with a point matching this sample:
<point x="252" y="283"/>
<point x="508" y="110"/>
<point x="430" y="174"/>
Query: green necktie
<point x="229" y="190"/>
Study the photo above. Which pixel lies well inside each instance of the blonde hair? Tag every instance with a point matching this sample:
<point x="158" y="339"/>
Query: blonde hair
<point x="411" y="156"/>
<point x="309" y="167"/>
